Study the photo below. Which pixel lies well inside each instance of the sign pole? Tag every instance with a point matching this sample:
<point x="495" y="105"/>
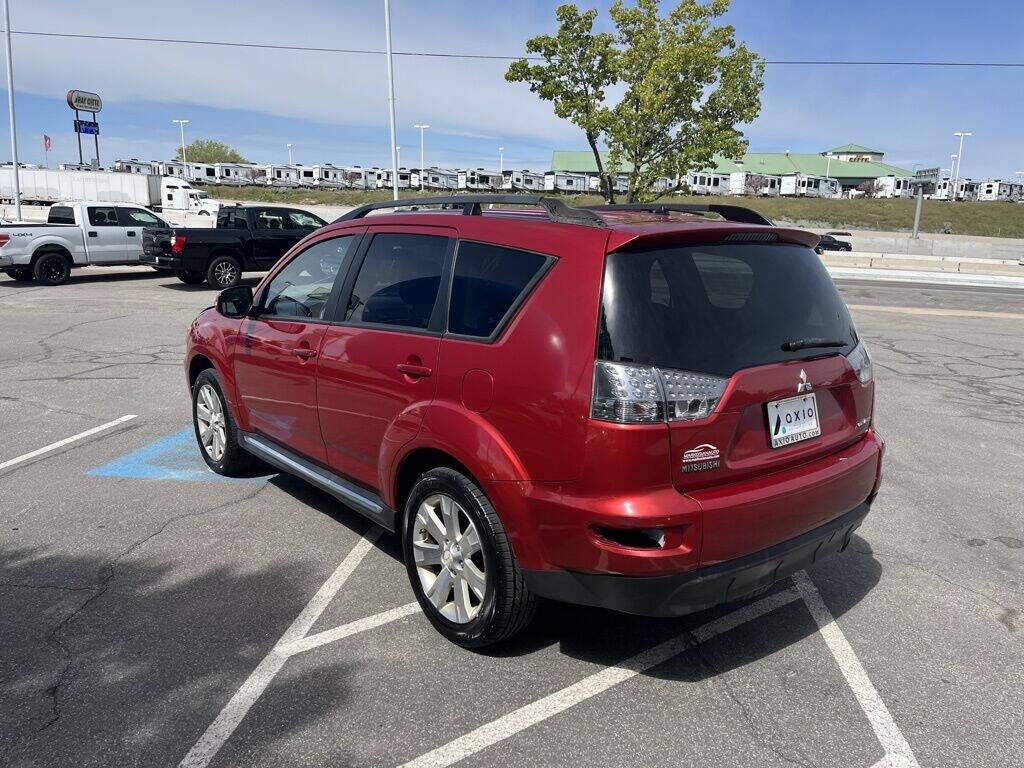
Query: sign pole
<point x="97" y="137"/>
<point x="917" y="212"/>
<point x="10" y="106"/>
<point x="78" y="133"/>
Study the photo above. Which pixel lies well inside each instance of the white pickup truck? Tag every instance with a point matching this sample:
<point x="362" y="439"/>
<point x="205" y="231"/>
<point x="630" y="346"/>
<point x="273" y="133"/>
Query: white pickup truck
<point x="75" y="235"/>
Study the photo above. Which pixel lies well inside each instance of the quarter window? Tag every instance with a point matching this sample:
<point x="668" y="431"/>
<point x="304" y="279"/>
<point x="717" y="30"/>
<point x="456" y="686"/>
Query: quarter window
<point x="302" y="288"/>
<point x="488" y="280"/>
<point x="398" y="281"/>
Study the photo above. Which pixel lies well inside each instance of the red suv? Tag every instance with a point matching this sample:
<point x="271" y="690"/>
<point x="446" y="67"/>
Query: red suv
<point x="635" y="407"/>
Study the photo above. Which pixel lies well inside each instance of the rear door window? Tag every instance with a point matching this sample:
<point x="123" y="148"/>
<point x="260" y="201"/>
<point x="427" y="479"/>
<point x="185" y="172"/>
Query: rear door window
<point x="488" y="282"/>
<point x="719" y="308"/>
<point x="103" y="217"/>
<point x="398" y="281"/>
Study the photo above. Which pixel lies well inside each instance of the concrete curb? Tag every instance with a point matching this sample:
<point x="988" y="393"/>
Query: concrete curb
<point x="917" y="263"/>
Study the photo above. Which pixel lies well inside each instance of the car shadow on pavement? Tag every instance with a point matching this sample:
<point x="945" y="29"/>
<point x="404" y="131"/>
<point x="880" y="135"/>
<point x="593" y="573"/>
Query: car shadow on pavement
<point x="126" y="662"/>
<point x="177" y="285"/>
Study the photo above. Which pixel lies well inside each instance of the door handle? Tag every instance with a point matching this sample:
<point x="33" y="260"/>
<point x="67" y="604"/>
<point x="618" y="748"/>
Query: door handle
<point x="130" y="233"/>
<point x="414" y="371"/>
<point x="93" y="234"/>
<point x="304" y="352"/>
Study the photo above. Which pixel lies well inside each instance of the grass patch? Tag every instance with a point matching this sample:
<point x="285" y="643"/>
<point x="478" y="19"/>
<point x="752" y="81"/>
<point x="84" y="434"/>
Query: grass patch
<point x="983" y="219"/>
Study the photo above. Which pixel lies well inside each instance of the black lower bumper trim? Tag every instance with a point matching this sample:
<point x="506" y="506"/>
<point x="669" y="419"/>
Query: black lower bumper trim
<point x="681" y="593"/>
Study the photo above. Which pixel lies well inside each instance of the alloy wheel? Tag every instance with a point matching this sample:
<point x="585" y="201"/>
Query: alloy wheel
<point x="225" y="273"/>
<point x="449" y="559"/>
<point x="210" y="419"/>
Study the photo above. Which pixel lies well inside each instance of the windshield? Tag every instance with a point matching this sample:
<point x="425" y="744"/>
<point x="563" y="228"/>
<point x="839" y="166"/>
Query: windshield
<point x="719" y="308"/>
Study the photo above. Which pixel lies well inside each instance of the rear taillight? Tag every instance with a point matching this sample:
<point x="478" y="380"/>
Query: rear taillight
<point x="638" y="394"/>
<point x="861" y="362"/>
<point x="4" y="240"/>
<point x="177" y="243"/>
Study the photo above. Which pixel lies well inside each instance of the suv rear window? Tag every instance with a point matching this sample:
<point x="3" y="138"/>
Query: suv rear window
<point x="488" y="281"/>
<point x="719" y="308"/>
<point x="61" y="214"/>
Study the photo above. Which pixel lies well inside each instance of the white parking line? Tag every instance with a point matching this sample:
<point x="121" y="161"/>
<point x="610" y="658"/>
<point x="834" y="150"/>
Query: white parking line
<point x="66" y="441"/>
<point x="897" y="750"/>
<point x="352" y="628"/>
<point x="559" y="701"/>
<point x="235" y="710"/>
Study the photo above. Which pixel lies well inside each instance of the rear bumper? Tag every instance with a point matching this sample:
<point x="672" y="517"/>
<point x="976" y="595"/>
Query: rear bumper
<point x="681" y="593"/>
<point x="161" y="262"/>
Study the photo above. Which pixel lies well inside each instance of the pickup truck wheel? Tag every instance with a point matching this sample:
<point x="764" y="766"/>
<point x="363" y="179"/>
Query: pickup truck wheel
<point x="189" y="276"/>
<point x="460" y="562"/>
<point x="52" y="269"/>
<point x="204" y="213"/>
<point x="216" y="431"/>
<point x="19" y="273"/>
<point x="223" y="272"/>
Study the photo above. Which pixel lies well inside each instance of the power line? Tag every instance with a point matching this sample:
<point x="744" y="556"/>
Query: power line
<point x="484" y="56"/>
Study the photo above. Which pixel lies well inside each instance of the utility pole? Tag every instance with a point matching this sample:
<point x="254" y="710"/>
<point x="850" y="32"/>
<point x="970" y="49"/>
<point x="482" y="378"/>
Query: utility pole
<point x="391" y="100"/>
<point x="959" y="158"/>
<point x="422" y="128"/>
<point x="501" y="159"/>
<point x="10" y="107"/>
<point x="184" y="160"/>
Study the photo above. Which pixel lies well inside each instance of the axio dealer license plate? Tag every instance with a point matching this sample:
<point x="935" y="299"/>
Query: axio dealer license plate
<point x="793" y="419"/>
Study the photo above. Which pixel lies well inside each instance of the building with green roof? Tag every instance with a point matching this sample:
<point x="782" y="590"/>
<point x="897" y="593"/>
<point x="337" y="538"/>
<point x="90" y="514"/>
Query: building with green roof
<point x="849" y="165"/>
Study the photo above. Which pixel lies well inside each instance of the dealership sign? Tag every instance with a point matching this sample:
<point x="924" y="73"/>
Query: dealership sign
<point x="85" y="101"/>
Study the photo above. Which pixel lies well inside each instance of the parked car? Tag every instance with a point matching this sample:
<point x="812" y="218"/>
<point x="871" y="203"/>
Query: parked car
<point x="623" y="407"/>
<point x="74" y="235"/>
<point x="247" y="238"/>
<point x="829" y="243"/>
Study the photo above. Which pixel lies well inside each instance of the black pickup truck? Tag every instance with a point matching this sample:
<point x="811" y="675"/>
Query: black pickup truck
<point x="248" y="238"/>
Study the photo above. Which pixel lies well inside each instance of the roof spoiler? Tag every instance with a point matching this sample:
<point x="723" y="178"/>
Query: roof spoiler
<point x="556" y="209"/>
<point x="735" y="213"/>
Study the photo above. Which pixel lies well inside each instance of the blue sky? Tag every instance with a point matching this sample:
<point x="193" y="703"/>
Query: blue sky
<point x="332" y="107"/>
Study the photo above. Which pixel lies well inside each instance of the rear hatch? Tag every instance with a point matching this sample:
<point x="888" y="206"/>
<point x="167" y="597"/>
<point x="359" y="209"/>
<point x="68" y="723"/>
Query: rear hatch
<point x="758" y="364"/>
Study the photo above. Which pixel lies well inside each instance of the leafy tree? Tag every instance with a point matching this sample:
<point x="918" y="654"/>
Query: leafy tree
<point x="687" y="85"/>
<point x="578" y="66"/>
<point x="210" y="151"/>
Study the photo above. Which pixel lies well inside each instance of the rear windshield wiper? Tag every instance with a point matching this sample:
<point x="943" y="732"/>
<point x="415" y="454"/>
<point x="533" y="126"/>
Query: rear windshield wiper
<point x="793" y="346"/>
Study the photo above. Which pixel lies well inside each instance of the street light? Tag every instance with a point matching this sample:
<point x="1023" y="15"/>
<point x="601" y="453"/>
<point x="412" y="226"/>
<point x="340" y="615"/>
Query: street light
<point x="959" y="158"/>
<point x="952" y="167"/>
<point x="501" y="159"/>
<point x="184" y="161"/>
<point x="391" y="99"/>
<point x="828" y="169"/>
<point x="289" y="153"/>
<point x="10" y="107"/>
<point x="422" y="128"/>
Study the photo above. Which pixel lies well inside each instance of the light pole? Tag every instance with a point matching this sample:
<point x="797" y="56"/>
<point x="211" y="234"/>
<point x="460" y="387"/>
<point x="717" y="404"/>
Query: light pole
<point x="289" y="153"/>
<point x="422" y="128"/>
<point x="952" y="168"/>
<point x="10" y="108"/>
<point x="398" y="156"/>
<point x="391" y="99"/>
<point x="501" y="159"/>
<point x="828" y="169"/>
<point x="184" y="160"/>
<point x="959" y="158"/>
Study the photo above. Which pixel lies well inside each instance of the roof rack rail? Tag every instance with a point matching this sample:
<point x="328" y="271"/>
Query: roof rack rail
<point x="557" y="210"/>
<point x="728" y="212"/>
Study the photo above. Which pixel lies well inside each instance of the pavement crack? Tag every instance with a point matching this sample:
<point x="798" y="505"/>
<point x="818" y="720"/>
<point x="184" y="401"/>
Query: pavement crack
<point x="755" y="730"/>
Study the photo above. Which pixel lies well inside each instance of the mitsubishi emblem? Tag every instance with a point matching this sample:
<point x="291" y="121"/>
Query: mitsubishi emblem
<point x="803" y="385"/>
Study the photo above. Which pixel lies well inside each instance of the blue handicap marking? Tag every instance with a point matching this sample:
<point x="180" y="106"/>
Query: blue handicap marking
<point x="175" y="457"/>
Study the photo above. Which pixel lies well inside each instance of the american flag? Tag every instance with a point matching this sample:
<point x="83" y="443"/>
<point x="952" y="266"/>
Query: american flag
<point x="46" y="143"/>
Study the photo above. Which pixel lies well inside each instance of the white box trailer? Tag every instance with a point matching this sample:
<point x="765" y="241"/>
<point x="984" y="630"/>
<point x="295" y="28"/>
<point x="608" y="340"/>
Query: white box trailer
<point x="440" y="178"/>
<point x="995" y="190"/>
<point x="42" y="186"/>
<point x="756" y="184"/>
<point x="707" y="183"/>
<point x="806" y="185"/>
<point x="565" y="181"/>
<point x="893" y="186"/>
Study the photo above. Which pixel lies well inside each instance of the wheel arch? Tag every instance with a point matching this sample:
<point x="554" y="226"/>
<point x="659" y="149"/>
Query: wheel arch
<point x="417" y="462"/>
<point x="46" y="248"/>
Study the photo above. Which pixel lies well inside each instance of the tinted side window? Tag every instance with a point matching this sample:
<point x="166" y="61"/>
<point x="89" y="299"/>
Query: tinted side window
<point x="136" y="217"/>
<point x="302" y="288"/>
<point x="61" y="214"/>
<point x="488" y="280"/>
<point x="303" y="220"/>
<point x="103" y="217"/>
<point x="268" y="218"/>
<point x="398" y="281"/>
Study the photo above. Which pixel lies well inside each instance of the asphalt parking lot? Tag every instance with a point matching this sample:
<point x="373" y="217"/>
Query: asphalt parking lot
<point x="152" y="613"/>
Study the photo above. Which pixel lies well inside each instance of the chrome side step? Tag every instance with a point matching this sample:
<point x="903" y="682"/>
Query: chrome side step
<point x="362" y="501"/>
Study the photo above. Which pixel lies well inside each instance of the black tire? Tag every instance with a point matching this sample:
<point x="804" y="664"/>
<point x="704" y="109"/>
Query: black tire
<point x="507" y="606"/>
<point x="204" y="213"/>
<point x="21" y="274"/>
<point x="223" y="272"/>
<point x="52" y="269"/>
<point x="234" y="458"/>
<point x="190" y="276"/>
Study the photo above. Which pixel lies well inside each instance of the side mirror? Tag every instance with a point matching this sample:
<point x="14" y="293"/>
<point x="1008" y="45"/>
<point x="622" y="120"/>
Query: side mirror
<point x="235" y="302"/>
